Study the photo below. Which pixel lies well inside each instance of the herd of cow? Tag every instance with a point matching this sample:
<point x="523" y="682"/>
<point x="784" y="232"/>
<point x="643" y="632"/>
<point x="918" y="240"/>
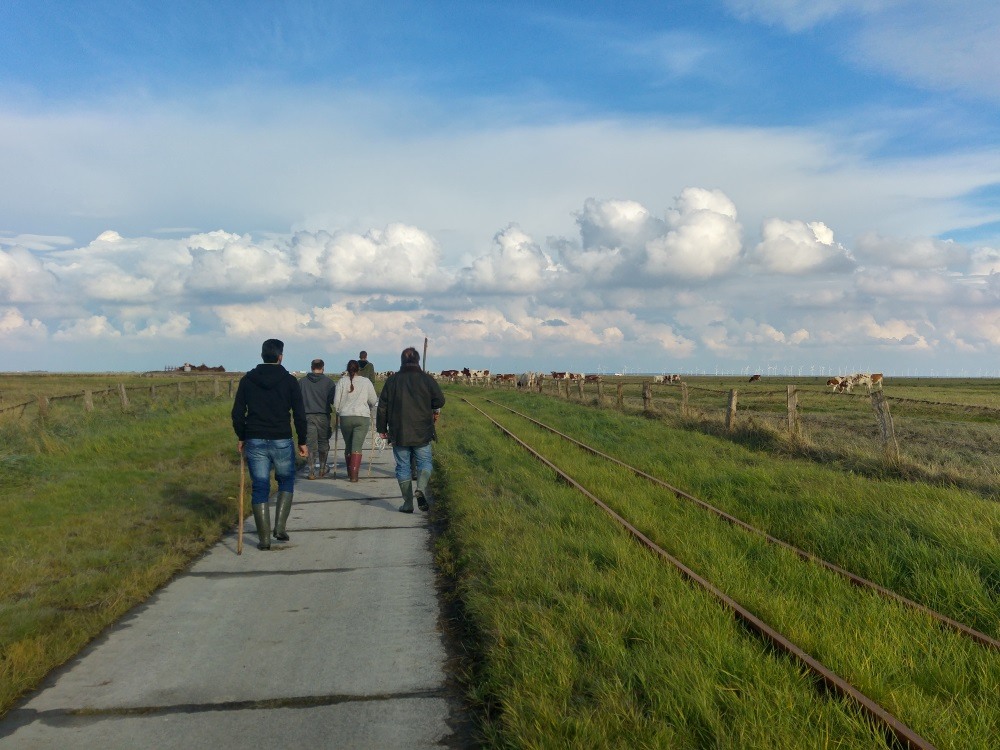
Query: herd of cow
<point x="844" y="383"/>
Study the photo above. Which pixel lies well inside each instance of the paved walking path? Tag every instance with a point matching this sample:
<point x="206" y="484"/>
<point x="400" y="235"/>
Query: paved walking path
<point x="330" y="640"/>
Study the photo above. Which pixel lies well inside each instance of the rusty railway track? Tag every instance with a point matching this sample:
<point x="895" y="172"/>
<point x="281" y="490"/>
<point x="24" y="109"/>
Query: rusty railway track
<point x="943" y="620"/>
<point x="881" y="717"/>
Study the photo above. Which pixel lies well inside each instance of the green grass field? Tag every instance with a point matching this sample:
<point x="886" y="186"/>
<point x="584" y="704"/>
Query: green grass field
<point x="573" y="635"/>
<point x="535" y="562"/>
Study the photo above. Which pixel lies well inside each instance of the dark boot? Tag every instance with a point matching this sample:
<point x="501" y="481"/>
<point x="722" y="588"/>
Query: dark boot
<point x="354" y="467"/>
<point x="422" y="481"/>
<point x="282" y="506"/>
<point x="406" y="488"/>
<point x="262" y="518"/>
<point x="312" y="465"/>
<point x="322" y="463"/>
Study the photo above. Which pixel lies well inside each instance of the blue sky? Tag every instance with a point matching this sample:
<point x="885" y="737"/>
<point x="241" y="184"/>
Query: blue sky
<point x="766" y="185"/>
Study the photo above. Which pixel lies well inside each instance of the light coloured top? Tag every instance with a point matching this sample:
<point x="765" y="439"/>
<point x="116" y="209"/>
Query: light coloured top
<point x="356" y="403"/>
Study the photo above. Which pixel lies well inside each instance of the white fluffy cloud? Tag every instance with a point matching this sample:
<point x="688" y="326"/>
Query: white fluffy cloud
<point x="797" y="247"/>
<point x="917" y="253"/>
<point x="516" y="265"/>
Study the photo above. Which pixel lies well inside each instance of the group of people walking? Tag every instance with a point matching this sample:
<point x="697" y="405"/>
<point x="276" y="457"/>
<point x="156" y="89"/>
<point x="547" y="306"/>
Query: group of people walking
<point x="270" y="401"/>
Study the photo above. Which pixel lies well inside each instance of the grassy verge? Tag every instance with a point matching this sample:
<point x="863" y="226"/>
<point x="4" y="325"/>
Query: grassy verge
<point x="582" y="639"/>
<point x="99" y="510"/>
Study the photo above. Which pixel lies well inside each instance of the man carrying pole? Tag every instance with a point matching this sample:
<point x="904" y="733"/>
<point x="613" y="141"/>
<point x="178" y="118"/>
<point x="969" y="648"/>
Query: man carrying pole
<point x="261" y="407"/>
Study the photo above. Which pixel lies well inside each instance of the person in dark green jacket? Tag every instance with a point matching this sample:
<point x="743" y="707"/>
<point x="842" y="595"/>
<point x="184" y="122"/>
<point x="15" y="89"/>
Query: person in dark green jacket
<point x="366" y="368"/>
<point x="408" y="408"/>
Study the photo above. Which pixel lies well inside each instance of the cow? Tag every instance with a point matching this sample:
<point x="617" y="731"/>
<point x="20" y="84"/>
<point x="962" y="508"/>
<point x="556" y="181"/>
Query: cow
<point x="834" y="382"/>
<point x="526" y="380"/>
<point x="474" y="376"/>
<point x="754" y="378"/>
<point x="505" y="378"/>
<point x="450" y="374"/>
<point x="877" y="380"/>
<point x="659" y="378"/>
<point x="591" y="378"/>
<point x="559" y="375"/>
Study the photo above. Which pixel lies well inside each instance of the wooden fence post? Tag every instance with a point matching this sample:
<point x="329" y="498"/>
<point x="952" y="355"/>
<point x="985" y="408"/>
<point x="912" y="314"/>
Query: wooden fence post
<point x="621" y="396"/>
<point x="600" y="389"/>
<point x="579" y="387"/>
<point x="122" y="395"/>
<point x="178" y="391"/>
<point x="88" y="400"/>
<point x="684" y="399"/>
<point x="230" y="387"/>
<point x="793" y="417"/>
<point x="881" y="407"/>
<point x="731" y="410"/>
<point x="567" y="388"/>
<point x="215" y="387"/>
<point x="647" y="396"/>
<point x="43" y="406"/>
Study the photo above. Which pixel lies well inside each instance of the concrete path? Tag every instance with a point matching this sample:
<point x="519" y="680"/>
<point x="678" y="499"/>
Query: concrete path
<point x="330" y="640"/>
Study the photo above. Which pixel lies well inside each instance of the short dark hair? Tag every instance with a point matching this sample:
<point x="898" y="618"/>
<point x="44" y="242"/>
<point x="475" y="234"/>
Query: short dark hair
<point x="271" y="350"/>
<point x="363" y="354"/>
<point x="318" y="364"/>
<point x="410" y="356"/>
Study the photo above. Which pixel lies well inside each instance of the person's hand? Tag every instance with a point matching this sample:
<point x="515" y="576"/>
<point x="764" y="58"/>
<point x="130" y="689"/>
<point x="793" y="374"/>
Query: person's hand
<point x="384" y="435"/>
<point x="304" y="451"/>
<point x="239" y="446"/>
<point x="436" y="415"/>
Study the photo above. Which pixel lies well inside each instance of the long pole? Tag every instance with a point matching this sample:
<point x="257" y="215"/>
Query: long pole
<point x="243" y="483"/>
<point x="336" y="438"/>
<point x="371" y="456"/>
<point x="425" y="354"/>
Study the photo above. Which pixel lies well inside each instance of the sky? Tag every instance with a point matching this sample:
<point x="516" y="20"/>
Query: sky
<point x="802" y="187"/>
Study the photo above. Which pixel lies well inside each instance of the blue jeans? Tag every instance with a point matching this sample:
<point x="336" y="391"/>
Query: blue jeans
<point x="262" y="456"/>
<point x="402" y="455"/>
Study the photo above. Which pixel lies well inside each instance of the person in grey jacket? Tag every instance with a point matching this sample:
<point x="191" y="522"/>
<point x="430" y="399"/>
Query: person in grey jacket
<point x="408" y="408"/>
<point x="317" y="396"/>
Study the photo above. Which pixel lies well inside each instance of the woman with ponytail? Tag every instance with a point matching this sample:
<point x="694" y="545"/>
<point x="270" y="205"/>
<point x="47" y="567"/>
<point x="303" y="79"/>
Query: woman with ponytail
<point x="354" y="401"/>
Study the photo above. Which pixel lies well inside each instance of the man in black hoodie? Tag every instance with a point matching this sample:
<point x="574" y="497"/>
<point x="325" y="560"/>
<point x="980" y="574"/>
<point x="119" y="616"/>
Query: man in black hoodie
<point x="263" y="400"/>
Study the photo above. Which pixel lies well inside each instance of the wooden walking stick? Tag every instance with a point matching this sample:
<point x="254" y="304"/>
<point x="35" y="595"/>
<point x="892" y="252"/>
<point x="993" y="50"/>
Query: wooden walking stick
<point x="371" y="458"/>
<point x="336" y="437"/>
<point x="243" y="481"/>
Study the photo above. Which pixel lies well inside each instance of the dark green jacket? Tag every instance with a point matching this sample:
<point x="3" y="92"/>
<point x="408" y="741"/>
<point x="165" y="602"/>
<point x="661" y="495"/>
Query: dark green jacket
<point x="406" y="407"/>
<point x="367" y="369"/>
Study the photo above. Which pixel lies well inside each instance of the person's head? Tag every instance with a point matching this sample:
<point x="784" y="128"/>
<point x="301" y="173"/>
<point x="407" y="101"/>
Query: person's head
<point x="318" y="365"/>
<point x="410" y="356"/>
<point x="363" y="355"/>
<point x="272" y="350"/>
<point x="353" y="367"/>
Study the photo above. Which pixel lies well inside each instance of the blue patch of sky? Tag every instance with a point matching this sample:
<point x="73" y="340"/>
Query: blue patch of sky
<point x="687" y="59"/>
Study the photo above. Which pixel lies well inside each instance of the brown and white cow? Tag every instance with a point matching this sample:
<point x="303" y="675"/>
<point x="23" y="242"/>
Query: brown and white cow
<point x="754" y="378"/>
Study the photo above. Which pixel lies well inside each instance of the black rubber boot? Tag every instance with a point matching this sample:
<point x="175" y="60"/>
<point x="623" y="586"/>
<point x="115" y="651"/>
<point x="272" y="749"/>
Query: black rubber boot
<point x="406" y="488"/>
<point x="419" y="493"/>
<point x="262" y="518"/>
<point x="282" y="506"/>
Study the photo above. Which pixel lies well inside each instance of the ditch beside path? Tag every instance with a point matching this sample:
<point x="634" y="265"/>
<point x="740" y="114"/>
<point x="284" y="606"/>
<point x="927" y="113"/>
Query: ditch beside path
<point x="329" y="640"/>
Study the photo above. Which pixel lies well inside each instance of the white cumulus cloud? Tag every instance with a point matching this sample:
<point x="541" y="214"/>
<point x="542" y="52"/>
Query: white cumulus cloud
<point x="798" y="247"/>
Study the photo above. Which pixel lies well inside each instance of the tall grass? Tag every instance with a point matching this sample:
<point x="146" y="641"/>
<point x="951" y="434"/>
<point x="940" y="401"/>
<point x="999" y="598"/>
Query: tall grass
<point x="99" y="509"/>
<point x="522" y="547"/>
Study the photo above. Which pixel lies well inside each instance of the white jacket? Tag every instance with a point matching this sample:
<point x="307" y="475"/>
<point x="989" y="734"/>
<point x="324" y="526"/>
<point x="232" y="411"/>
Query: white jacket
<point x="356" y="403"/>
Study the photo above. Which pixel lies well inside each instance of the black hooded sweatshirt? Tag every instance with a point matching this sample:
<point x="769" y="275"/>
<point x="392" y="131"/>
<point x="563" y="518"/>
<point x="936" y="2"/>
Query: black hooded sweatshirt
<point x="265" y="396"/>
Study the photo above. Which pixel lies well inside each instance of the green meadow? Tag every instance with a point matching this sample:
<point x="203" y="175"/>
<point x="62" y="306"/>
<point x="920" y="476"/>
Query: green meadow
<point x="580" y="637"/>
<point x="101" y="508"/>
<point x="570" y="634"/>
